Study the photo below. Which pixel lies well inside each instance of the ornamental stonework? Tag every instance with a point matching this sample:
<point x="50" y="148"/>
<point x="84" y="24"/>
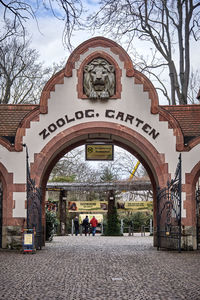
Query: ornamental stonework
<point x="99" y="79"/>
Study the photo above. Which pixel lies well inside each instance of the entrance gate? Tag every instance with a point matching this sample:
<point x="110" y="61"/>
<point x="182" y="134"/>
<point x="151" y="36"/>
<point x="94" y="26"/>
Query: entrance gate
<point x="34" y="207"/>
<point x="198" y="216"/>
<point x="34" y="211"/>
<point x="75" y="109"/>
<point x="169" y="213"/>
<point x="1" y="205"/>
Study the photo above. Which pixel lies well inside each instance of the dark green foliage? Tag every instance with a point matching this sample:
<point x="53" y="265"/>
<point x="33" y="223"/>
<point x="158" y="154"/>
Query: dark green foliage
<point x="113" y="226"/>
<point x="137" y="220"/>
<point x="108" y="175"/>
<point x="51" y="224"/>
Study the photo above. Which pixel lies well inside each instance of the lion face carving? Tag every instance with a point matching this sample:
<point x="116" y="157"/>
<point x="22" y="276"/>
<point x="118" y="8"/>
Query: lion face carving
<point x="99" y="79"/>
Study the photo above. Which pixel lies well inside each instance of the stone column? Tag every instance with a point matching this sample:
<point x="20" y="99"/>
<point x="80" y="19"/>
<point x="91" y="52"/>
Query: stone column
<point x="62" y="207"/>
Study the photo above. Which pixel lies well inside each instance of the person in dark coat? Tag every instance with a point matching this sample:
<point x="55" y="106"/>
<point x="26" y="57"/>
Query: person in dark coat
<point x="76" y="225"/>
<point x="86" y="224"/>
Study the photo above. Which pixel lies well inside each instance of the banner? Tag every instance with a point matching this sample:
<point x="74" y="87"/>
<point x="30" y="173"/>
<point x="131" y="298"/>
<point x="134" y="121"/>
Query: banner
<point x="102" y="206"/>
<point x="87" y="206"/>
<point x="135" y="205"/>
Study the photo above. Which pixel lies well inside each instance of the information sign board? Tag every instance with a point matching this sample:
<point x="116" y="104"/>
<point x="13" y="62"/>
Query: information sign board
<point x="99" y="151"/>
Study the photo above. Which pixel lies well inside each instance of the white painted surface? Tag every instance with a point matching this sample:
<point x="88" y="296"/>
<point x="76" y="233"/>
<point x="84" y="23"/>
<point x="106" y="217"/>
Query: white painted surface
<point x="19" y="210"/>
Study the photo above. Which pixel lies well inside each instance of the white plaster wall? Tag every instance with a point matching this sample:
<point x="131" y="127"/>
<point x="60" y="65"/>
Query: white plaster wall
<point x="19" y="210"/>
<point x="14" y="162"/>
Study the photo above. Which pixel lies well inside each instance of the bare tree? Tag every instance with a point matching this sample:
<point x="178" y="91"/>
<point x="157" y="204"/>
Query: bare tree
<point x="193" y="86"/>
<point x="168" y="25"/>
<point x="74" y="164"/>
<point x="16" y="13"/>
<point x="21" y="75"/>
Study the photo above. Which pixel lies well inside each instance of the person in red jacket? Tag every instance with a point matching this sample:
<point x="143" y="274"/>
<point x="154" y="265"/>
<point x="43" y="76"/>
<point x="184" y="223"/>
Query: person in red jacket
<point x="94" y="224"/>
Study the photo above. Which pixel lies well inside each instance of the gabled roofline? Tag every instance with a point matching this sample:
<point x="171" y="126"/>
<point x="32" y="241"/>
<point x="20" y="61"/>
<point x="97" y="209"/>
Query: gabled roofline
<point x="99" y="41"/>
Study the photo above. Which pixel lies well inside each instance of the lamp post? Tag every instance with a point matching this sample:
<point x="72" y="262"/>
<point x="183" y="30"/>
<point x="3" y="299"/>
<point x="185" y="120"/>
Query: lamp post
<point x="27" y="179"/>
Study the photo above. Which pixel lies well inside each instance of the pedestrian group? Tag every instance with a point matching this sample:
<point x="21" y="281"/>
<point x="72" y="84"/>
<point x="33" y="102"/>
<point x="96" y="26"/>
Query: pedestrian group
<point x="86" y="225"/>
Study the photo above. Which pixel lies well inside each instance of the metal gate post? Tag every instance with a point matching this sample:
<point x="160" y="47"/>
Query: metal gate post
<point x="169" y="205"/>
<point x="1" y="208"/>
<point x="180" y="200"/>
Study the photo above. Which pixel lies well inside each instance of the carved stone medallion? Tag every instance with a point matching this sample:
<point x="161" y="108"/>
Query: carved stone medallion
<point x="99" y="79"/>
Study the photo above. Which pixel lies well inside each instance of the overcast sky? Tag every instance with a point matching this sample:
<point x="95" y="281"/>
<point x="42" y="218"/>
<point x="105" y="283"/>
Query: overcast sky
<point x="48" y="39"/>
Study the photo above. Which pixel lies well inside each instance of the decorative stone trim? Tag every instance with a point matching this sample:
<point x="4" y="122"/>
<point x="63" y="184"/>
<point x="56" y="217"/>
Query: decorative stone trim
<point x="193" y="143"/>
<point x="6" y="144"/>
<point x="25" y="123"/>
<point x="140" y="78"/>
<point x="44" y="158"/>
<point x="164" y="115"/>
<point x="58" y="78"/>
<point x="189" y="188"/>
<point x="8" y="203"/>
<point x="99" y="42"/>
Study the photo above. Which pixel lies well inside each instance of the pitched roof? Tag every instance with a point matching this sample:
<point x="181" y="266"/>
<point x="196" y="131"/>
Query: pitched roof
<point x="11" y="117"/>
<point x="188" y="118"/>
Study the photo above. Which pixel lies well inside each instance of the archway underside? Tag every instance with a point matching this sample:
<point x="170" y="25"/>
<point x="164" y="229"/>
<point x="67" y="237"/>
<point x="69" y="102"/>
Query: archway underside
<point x="120" y="136"/>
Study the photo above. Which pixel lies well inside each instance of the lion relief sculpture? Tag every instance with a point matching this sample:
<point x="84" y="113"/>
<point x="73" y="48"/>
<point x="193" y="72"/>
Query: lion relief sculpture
<point x="99" y="79"/>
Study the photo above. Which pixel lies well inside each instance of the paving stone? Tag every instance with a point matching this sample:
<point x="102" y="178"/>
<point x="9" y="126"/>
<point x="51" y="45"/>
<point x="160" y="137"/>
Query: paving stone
<point x="100" y="268"/>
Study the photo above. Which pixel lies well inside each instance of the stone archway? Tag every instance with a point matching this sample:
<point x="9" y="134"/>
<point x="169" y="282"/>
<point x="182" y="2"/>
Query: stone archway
<point x="123" y="137"/>
<point x="190" y="188"/>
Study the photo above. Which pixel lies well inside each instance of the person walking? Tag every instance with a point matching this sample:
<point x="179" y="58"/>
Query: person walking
<point x="76" y="225"/>
<point x="94" y="224"/>
<point x="86" y="224"/>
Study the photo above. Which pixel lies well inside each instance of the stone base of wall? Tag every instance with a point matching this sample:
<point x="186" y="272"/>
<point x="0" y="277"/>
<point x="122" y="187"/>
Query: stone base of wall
<point x="12" y="237"/>
<point x="188" y="240"/>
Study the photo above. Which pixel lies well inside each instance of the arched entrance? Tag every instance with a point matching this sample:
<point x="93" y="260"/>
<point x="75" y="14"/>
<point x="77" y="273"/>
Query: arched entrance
<point x="78" y="135"/>
<point x="98" y="94"/>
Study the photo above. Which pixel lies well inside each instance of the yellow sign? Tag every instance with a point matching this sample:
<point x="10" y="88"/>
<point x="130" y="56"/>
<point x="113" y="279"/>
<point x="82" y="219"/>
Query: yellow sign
<point x="135" y="205"/>
<point x="99" y="151"/>
<point x="87" y="206"/>
<point x="28" y="238"/>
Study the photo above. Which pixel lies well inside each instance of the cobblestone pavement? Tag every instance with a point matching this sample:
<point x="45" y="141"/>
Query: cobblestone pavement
<point x="100" y="268"/>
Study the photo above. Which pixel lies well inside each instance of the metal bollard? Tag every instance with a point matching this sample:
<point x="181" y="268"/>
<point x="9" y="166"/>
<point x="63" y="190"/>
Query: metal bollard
<point x="72" y="227"/>
<point x="101" y="228"/>
<point x="81" y="230"/>
<point x="142" y="230"/>
<point x="151" y="227"/>
<point x="129" y="230"/>
<point x="132" y="231"/>
<point x="122" y="227"/>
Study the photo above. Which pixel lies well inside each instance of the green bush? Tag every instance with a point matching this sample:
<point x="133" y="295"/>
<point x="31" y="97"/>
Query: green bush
<point x="112" y="226"/>
<point x="51" y="224"/>
<point x="137" y="220"/>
